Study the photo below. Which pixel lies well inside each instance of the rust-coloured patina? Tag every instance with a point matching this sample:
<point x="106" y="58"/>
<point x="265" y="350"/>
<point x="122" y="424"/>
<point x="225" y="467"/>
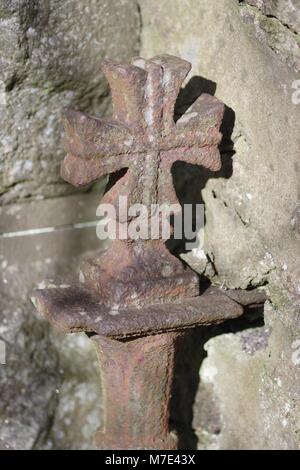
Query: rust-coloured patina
<point x="135" y="298"/>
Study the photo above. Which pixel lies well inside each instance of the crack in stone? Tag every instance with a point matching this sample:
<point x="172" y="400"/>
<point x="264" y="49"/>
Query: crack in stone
<point x="280" y="37"/>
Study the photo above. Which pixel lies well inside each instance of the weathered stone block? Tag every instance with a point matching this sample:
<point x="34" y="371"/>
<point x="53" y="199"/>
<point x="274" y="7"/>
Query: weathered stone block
<point x="45" y="381"/>
<point x="286" y="11"/>
<point x="50" y="58"/>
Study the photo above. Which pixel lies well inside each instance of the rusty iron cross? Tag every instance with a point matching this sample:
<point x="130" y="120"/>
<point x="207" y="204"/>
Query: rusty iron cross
<point x="142" y="136"/>
<point x="136" y="298"/>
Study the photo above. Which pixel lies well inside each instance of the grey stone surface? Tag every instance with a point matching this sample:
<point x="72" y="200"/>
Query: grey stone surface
<point x="277" y="35"/>
<point x="257" y="389"/>
<point x="286" y="11"/>
<point x="50" y="54"/>
<point x="78" y="413"/>
<point x="49" y="385"/>
<point x="29" y="378"/>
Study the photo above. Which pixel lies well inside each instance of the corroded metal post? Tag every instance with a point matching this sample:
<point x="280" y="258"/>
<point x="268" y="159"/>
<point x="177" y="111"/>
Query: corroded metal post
<point x="138" y="378"/>
<point x="135" y="297"/>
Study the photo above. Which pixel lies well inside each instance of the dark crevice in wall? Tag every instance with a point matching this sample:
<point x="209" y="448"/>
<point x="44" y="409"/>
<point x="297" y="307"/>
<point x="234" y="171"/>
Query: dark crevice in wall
<point x="277" y="35"/>
<point x="268" y="15"/>
<point x="244" y="222"/>
<point x="139" y="11"/>
<point x="272" y="17"/>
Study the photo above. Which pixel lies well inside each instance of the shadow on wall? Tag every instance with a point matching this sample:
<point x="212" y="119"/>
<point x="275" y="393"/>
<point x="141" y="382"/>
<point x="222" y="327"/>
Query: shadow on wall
<point x="185" y="392"/>
<point x="189" y="180"/>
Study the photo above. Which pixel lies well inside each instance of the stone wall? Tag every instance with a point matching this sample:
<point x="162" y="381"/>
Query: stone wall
<point x="247" y="53"/>
<point x="50" y="58"/>
<point x="47" y="376"/>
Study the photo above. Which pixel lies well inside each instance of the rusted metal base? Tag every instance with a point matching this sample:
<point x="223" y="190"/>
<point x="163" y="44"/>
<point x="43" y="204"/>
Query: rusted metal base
<point x="136" y="349"/>
<point x="73" y="309"/>
<point x="138" y="274"/>
<point x="137" y="378"/>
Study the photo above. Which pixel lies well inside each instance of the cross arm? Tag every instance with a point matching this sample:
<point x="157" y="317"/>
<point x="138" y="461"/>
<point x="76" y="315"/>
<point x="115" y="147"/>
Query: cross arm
<point x="88" y="137"/>
<point x="81" y="172"/>
<point x="95" y="147"/>
<point x="199" y="126"/>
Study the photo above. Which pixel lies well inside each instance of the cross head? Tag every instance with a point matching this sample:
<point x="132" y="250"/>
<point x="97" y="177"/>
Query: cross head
<point x="142" y="136"/>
